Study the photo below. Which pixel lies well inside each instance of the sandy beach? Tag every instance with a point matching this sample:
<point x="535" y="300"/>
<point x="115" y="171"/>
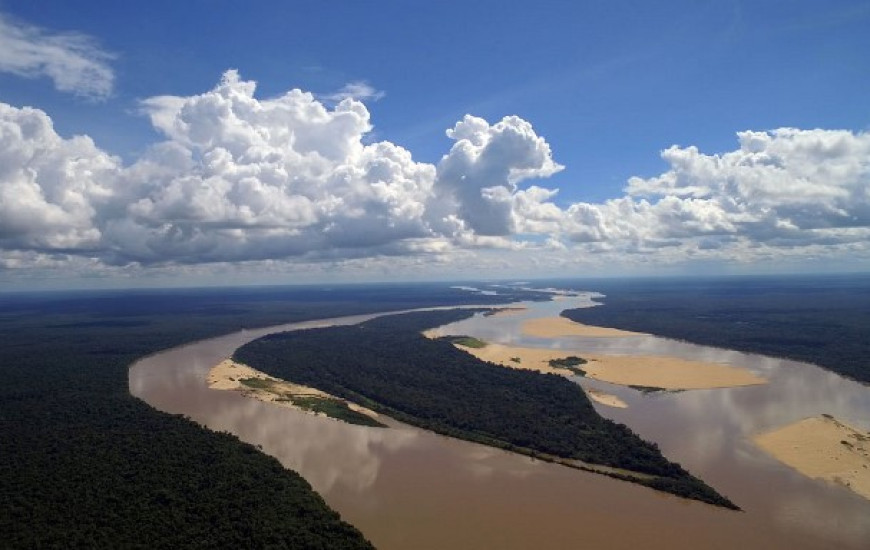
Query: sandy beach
<point x="606" y="399"/>
<point x="537" y="359"/>
<point x="556" y="327"/>
<point x="822" y="447"/>
<point x="227" y="375"/>
<point x="669" y="373"/>
<point x="508" y="312"/>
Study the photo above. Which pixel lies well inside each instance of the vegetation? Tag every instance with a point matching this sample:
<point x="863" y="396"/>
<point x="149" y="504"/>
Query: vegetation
<point x="336" y="408"/>
<point x="386" y="364"/>
<point x="84" y="464"/>
<point x="333" y="408"/>
<point x="819" y="320"/>
<point x="570" y="363"/>
<point x="257" y="383"/>
<point x="467" y="341"/>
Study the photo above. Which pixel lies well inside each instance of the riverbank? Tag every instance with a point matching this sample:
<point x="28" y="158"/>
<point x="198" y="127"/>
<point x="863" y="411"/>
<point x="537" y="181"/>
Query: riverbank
<point x="556" y="327"/>
<point x="822" y="447"/>
<point x="233" y="376"/>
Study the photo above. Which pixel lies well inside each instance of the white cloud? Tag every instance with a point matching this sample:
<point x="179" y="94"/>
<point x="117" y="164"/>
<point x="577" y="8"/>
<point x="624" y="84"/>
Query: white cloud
<point x="290" y="181"/>
<point x="270" y="178"/>
<point x="478" y="178"/>
<point x="73" y="61"/>
<point x="801" y="186"/>
<point x="51" y="189"/>
<point x="359" y="90"/>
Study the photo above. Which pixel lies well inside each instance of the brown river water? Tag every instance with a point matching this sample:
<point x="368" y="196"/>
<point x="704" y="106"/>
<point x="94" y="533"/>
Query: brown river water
<point x="407" y="488"/>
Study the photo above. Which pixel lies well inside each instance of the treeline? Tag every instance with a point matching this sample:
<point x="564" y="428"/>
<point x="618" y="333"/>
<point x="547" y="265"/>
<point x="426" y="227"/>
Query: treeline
<point x="821" y="320"/>
<point x="83" y="464"/>
<point x="387" y="365"/>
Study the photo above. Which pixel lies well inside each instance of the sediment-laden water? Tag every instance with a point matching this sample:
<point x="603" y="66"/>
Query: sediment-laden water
<point x="408" y="488"/>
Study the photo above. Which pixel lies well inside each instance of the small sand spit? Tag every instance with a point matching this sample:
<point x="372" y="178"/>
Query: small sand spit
<point x="822" y="447"/>
<point x="227" y="375"/>
<point x="556" y="327"/>
<point x="606" y="399"/>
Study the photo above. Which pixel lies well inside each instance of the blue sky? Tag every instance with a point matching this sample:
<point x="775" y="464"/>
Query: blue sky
<point x="599" y="90"/>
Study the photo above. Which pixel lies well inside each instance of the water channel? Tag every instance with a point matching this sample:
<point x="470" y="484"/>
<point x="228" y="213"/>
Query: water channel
<point x="408" y="488"/>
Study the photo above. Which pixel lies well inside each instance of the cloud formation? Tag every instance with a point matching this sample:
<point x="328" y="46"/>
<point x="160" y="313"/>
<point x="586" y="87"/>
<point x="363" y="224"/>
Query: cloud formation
<point x="239" y="179"/>
<point x="358" y="90"/>
<point x="73" y="61"/>
<point x="786" y="188"/>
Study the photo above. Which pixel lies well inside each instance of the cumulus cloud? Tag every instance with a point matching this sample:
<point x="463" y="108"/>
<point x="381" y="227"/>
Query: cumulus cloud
<point x="51" y="189"/>
<point x="292" y="180"/>
<point x="787" y="185"/>
<point x="245" y="178"/>
<point x="73" y="61"/>
<point x="478" y="178"/>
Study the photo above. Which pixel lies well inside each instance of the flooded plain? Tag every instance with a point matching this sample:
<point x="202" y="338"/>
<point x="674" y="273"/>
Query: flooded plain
<point x="408" y="488"/>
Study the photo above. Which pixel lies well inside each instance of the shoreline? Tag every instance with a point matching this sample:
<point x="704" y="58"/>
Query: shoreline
<point x="229" y="375"/>
<point x="556" y="327"/>
<point x="666" y="373"/>
<point x="822" y="447"/>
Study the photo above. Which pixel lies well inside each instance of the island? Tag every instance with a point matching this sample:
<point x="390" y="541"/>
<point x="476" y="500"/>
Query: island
<point x="388" y="366"/>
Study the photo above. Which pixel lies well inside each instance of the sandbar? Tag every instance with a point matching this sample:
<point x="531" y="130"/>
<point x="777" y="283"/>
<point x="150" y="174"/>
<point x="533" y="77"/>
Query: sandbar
<point x="537" y="359"/>
<point x="228" y="374"/>
<point x="556" y="327"/>
<point x="508" y="311"/>
<point x="607" y="399"/>
<point x="822" y="447"/>
<point x="667" y="373"/>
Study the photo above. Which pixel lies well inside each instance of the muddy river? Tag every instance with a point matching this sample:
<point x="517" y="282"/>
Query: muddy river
<point x="408" y="488"/>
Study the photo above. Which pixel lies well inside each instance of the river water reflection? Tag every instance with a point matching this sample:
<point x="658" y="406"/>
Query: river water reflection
<point x="408" y="488"/>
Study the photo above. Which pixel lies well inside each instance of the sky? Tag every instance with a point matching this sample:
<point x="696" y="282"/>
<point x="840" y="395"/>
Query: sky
<point x="168" y="143"/>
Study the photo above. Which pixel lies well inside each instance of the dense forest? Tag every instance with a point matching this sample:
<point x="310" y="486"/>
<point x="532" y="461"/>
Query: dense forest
<point x="819" y="320"/>
<point x="387" y="365"/>
<point x="84" y="464"/>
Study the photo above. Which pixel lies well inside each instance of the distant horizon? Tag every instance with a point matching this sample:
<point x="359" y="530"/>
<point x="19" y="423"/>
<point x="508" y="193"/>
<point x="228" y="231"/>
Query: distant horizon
<point x="533" y="282"/>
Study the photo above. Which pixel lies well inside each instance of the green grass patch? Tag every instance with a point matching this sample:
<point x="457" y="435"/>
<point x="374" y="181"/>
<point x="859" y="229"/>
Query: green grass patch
<point x="467" y="341"/>
<point x="335" y="408"/>
<point x="570" y="363"/>
<point x="257" y="383"/>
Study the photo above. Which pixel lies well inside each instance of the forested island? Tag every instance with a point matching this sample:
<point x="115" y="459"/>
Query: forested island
<point x="83" y="464"/>
<point x="819" y="320"/>
<point x="387" y="365"/>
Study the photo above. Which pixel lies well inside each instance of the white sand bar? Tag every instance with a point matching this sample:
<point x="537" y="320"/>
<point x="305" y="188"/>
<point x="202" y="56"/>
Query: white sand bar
<point x="556" y="327"/>
<point x="823" y="448"/>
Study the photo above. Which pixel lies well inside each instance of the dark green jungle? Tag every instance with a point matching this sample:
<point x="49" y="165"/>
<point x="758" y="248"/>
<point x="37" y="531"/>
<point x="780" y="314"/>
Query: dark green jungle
<point x="386" y="364"/>
<point x="85" y="464"/>
<point x="824" y="320"/>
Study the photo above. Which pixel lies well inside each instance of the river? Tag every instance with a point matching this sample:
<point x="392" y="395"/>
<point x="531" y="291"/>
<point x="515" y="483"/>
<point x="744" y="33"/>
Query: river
<point x="408" y="488"/>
